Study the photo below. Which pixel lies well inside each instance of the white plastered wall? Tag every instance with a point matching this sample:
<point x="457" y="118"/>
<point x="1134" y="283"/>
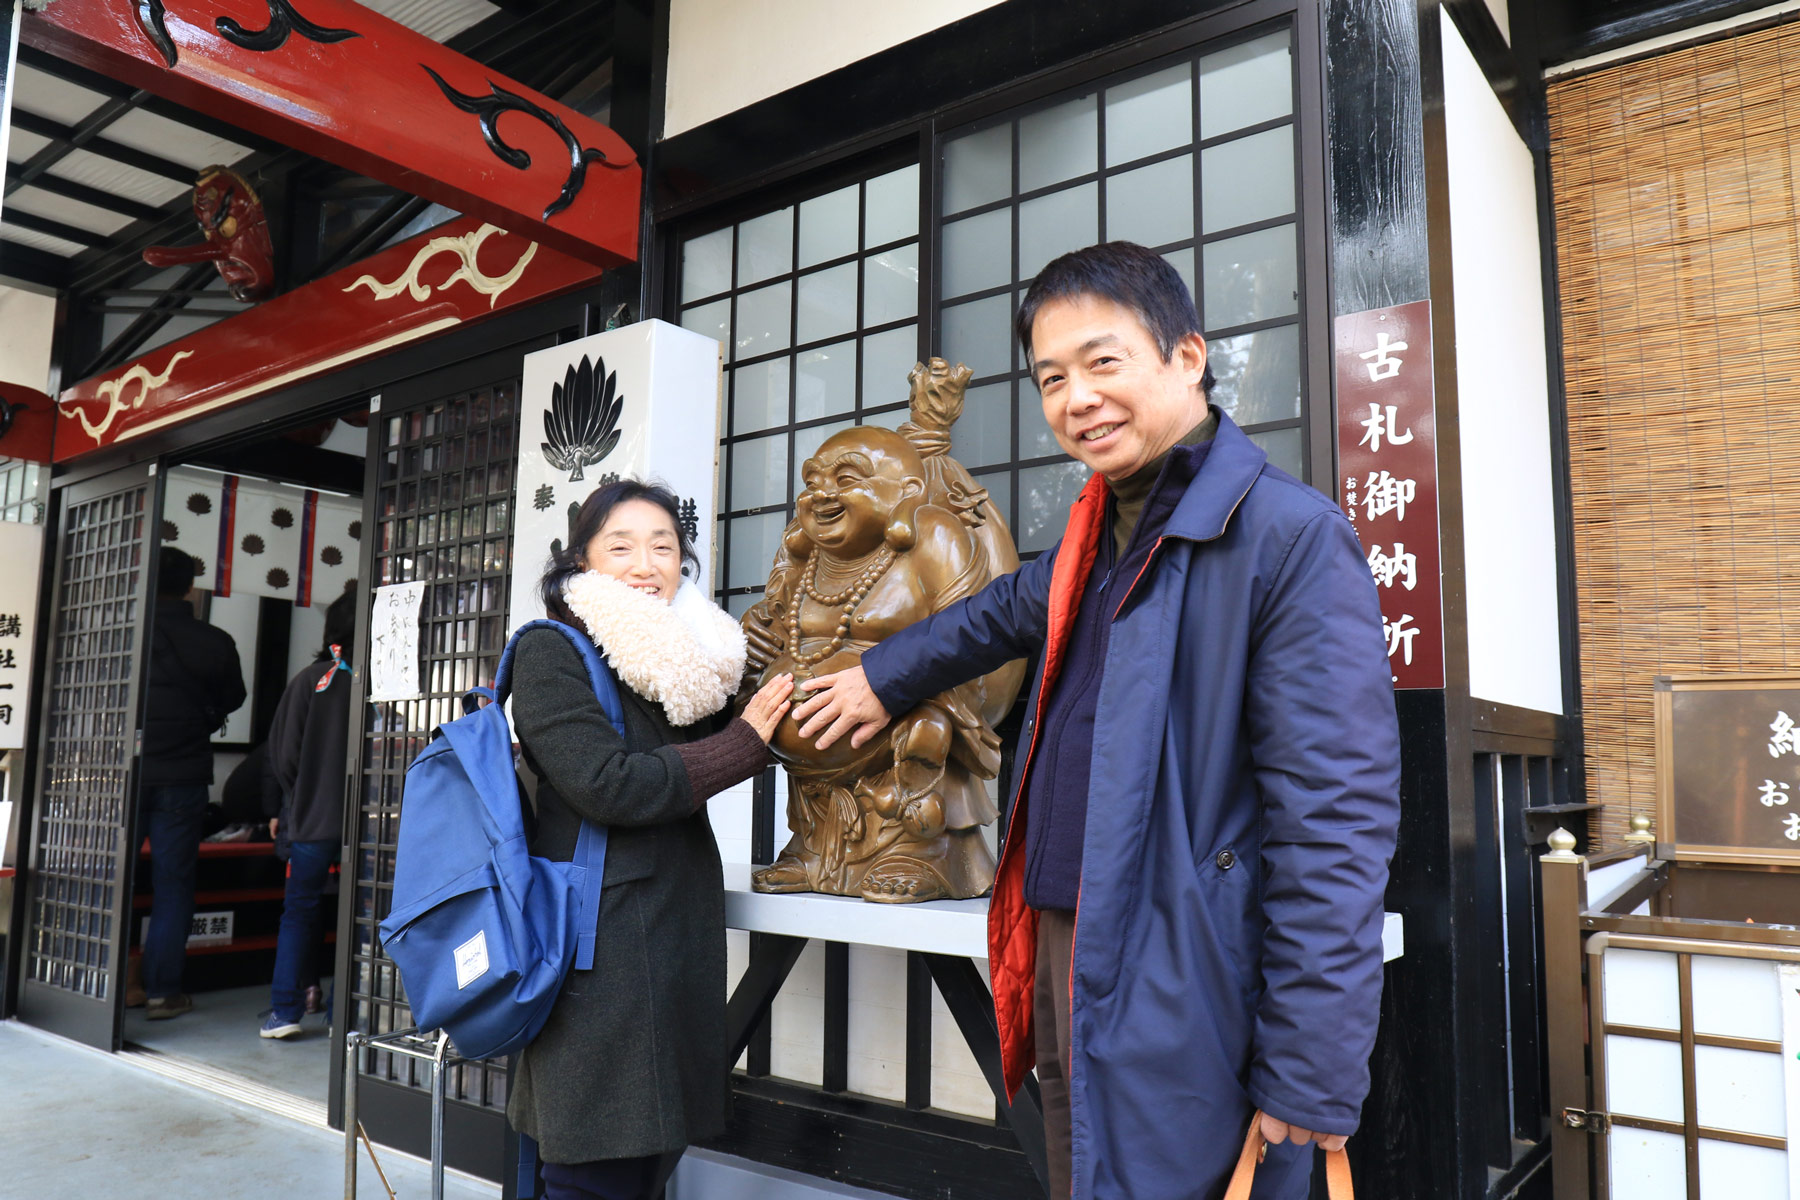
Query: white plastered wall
<point x="726" y="54"/>
<point x="1509" y="534"/>
<point x="27" y="323"/>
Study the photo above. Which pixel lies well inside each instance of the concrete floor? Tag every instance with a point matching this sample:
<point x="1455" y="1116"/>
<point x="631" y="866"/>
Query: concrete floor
<point x="77" y="1122"/>
<point x="221" y="1032"/>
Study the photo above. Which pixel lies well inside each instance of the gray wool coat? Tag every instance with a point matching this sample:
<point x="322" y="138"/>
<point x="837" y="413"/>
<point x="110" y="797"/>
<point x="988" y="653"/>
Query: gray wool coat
<point x="632" y="1059"/>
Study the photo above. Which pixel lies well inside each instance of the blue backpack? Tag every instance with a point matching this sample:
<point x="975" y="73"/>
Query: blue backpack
<point x="483" y="932"/>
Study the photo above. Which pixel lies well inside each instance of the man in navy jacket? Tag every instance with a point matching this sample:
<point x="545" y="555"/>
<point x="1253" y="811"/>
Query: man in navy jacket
<point x="1186" y="923"/>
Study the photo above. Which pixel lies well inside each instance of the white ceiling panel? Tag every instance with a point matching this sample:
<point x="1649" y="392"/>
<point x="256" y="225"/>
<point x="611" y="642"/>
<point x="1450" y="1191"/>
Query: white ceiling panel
<point x="439" y="20"/>
<point x="21" y="145"/>
<point x="38" y="241"/>
<point x="169" y="139"/>
<point x="92" y="218"/>
<point x="109" y="176"/>
<point x="48" y="96"/>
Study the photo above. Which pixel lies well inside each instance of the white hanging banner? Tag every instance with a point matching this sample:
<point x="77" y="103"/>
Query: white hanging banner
<point x="255" y="537"/>
<point x="190" y="519"/>
<point x="22" y="550"/>
<point x="330" y="528"/>
<point x="641" y="401"/>
<point x="394" y="633"/>
<point x="266" y="550"/>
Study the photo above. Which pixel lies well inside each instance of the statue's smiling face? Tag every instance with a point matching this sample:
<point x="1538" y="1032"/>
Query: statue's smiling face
<point x="852" y="487"/>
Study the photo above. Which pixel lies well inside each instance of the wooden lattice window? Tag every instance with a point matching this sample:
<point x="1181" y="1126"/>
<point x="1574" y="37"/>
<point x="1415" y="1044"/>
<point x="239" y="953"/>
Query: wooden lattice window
<point x="443" y="515"/>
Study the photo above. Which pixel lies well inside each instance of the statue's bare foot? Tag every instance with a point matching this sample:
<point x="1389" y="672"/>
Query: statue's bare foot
<point x="902" y="880"/>
<point x="784" y="875"/>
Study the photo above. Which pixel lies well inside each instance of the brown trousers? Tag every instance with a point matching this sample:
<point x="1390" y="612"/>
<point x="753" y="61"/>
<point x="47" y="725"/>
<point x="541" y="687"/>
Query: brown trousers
<point x="1050" y="1016"/>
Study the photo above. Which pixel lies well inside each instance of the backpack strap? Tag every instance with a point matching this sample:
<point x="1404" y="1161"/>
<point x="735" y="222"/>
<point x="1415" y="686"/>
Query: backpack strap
<point x="590" y="844"/>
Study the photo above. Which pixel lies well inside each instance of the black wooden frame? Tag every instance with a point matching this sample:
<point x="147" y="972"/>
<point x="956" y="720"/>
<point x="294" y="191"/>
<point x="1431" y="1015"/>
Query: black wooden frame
<point x="94" y="1019"/>
<point x="880" y="1143"/>
<point x="397" y="1112"/>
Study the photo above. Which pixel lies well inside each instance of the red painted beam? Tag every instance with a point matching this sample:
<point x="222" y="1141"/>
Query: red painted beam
<point x="347" y="85"/>
<point x="424" y="287"/>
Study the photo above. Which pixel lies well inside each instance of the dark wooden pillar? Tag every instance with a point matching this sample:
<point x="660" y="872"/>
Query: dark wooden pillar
<point x="1390" y="246"/>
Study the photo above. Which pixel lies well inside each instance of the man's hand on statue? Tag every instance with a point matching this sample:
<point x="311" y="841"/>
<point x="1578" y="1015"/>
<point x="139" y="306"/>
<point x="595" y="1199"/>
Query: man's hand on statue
<point x="1276" y="1132"/>
<point x="768" y="706"/>
<point x="841" y="703"/>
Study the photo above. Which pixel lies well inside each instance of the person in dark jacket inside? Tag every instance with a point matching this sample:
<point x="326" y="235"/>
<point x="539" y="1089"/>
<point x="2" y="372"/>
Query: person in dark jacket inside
<point x="1186" y="922"/>
<point x="630" y="1067"/>
<point x="307" y="743"/>
<point x="195" y="683"/>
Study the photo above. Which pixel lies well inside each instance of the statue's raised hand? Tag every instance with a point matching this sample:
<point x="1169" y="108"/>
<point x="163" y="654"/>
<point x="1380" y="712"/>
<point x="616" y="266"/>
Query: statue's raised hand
<point x="937" y="392"/>
<point x="761" y="643"/>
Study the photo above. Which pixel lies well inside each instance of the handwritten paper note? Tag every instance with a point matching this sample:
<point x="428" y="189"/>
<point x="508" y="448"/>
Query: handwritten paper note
<point x="394" y="634"/>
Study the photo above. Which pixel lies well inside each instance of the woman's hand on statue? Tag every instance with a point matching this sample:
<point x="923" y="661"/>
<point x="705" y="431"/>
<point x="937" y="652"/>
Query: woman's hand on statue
<point x="769" y="705"/>
<point x="842" y="703"/>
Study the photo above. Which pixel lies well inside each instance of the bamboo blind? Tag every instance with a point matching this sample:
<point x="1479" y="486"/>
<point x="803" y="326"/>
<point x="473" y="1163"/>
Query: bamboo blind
<point x="1676" y="186"/>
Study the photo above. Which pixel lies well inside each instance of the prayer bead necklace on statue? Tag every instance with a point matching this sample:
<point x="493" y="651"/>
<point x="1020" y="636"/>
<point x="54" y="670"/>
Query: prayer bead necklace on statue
<point x="849" y="598"/>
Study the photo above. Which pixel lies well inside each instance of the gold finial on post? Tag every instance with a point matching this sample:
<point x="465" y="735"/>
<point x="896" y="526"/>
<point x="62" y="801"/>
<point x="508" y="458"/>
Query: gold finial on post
<point x="1641" y="834"/>
<point x="1562" y="847"/>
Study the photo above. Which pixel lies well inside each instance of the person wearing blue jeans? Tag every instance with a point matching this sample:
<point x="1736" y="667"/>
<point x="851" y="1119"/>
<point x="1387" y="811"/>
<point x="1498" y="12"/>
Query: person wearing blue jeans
<point x="308" y="741"/>
<point x="296" y="949"/>
<point x="195" y="682"/>
<point x="171" y="819"/>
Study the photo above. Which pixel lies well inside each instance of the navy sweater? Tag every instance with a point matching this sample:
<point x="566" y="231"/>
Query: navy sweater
<point x="1056" y="814"/>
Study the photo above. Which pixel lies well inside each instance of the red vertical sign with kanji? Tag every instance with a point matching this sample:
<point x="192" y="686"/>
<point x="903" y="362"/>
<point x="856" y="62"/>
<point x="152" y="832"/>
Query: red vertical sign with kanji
<point x="1387" y="464"/>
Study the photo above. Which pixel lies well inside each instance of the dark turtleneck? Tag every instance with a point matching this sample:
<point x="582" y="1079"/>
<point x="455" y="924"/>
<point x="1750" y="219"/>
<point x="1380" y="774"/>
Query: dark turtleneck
<point x="1130" y="493"/>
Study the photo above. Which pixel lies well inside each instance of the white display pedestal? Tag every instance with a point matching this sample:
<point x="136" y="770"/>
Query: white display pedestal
<point x="954" y="927"/>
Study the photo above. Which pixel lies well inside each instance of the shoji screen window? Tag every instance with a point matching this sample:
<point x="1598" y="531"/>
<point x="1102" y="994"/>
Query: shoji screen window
<point x="1196" y="160"/>
<point x="817" y="305"/>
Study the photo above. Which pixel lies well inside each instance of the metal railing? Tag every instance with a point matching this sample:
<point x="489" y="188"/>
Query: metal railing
<point x="433" y="1048"/>
<point x="1667" y="1004"/>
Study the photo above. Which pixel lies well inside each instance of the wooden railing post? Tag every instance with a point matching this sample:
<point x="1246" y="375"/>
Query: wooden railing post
<point x="1564" y="899"/>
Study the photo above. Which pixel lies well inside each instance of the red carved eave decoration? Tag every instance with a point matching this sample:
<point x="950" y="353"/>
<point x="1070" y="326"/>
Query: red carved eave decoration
<point x="454" y="275"/>
<point x="366" y="99"/>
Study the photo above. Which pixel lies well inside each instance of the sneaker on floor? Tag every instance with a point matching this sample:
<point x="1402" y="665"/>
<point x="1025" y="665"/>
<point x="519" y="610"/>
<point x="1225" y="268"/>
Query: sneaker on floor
<point x="161" y="1008"/>
<point x="274" y="1026"/>
<point x="315" y="1001"/>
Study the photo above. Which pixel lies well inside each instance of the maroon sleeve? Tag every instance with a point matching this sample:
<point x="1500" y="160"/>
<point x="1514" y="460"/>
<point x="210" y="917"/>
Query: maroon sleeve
<point x="714" y="763"/>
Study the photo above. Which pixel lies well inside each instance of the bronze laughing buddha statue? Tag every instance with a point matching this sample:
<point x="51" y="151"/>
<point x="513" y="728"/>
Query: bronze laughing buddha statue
<point x="890" y="529"/>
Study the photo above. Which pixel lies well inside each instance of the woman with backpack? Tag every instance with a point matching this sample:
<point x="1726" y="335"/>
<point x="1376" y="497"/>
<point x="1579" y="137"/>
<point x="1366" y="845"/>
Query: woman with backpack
<point x="630" y="1067"/>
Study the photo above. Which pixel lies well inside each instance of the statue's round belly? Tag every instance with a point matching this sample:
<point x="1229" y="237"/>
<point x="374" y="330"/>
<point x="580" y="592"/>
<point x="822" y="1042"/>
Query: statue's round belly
<point x="787" y="744"/>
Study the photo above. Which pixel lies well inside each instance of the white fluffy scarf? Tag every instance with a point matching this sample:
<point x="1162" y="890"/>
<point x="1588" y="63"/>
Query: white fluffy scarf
<point x="687" y="656"/>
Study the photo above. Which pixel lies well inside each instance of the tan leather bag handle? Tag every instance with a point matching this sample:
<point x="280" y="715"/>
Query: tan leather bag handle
<point x="1337" y="1167"/>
